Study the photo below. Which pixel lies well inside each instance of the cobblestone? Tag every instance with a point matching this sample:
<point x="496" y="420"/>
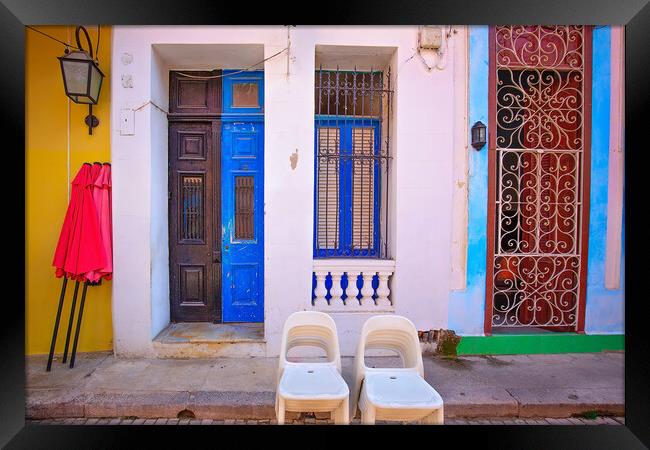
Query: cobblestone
<point x="312" y="421"/>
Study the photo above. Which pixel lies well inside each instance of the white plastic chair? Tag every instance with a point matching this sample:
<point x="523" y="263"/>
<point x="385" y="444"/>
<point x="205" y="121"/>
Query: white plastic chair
<point x="311" y="387"/>
<point x="394" y="394"/>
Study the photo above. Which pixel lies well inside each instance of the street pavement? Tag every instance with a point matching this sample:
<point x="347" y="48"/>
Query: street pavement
<point x="514" y="387"/>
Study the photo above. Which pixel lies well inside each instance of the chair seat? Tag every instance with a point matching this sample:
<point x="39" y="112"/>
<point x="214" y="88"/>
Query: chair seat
<point x="400" y="389"/>
<point x="312" y="381"/>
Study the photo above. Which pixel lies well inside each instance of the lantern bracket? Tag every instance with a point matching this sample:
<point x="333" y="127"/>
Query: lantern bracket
<point x="90" y="120"/>
<point x="90" y="45"/>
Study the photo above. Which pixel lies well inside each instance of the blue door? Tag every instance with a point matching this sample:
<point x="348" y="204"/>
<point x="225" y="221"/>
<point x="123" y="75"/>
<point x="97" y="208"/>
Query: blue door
<point x="242" y="197"/>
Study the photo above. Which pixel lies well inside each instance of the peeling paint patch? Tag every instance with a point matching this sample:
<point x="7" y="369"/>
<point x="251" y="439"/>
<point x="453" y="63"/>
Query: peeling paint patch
<point x="294" y="159"/>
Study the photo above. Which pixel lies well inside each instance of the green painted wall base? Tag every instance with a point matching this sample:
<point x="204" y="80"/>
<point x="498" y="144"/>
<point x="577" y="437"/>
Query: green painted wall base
<point x="539" y="343"/>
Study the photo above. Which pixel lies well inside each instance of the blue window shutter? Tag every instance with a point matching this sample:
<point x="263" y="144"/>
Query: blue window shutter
<point x="346" y="197"/>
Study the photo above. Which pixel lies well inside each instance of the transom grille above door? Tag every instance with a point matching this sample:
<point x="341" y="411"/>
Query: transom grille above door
<point x="540" y="105"/>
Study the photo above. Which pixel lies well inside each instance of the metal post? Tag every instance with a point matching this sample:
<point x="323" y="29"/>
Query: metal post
<point x="76" y="334"/>
<point x="67" y="337"/>
<point x="56" y="324"/>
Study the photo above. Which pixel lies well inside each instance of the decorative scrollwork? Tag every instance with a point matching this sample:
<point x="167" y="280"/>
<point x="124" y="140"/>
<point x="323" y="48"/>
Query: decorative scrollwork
<point x="539" y="161"/>
<point x="540" y="46"/>
<point x="539" y="109"/>
<point x="535" y="291"/>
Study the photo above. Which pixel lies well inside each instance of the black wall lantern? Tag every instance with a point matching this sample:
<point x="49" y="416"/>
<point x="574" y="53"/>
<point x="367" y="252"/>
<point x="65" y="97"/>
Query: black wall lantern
<point x="82" y="78"/>
<point x="478" y="135"/>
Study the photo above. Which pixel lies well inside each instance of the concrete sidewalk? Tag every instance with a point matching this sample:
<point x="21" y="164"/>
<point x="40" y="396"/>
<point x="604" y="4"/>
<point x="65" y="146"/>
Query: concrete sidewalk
<point x="234" y="388"/>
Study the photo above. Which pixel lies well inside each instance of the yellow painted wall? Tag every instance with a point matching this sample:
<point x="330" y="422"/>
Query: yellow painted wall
<point x="47" y="182"/>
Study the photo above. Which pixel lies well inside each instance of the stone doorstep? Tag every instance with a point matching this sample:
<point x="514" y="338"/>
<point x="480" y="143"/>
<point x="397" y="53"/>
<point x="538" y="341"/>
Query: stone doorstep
<point x="241" y="405"/>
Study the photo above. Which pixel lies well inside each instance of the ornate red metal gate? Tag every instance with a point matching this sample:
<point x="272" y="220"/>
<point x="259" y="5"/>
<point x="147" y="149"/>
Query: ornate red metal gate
<point x="540" y="105"/>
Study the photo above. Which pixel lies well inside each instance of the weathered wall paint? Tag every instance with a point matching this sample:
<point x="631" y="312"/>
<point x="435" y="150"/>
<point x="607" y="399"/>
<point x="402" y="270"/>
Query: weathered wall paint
<point x="47" y="182"/>
<point x="605" y="308"/>
<point x="467" y="307"/>
<point x="458" y="266"/>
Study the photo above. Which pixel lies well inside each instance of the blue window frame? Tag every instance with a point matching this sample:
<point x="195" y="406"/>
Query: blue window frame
<point x="347" y="189"/>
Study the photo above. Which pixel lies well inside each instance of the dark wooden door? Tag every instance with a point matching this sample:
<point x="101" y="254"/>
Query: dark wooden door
<point x="194" y="199"/>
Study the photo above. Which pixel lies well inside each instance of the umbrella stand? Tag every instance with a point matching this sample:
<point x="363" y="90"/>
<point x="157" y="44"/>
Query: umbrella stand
<point x="76" y="334"/>
<point x="56" y="324"/>
<point x="72" y="308"/>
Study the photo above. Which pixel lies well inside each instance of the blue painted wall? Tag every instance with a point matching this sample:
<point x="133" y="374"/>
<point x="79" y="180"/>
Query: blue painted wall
<point x="605" y="311"/>
<point x="605" y="308"/>
<point x="467" y="308"/>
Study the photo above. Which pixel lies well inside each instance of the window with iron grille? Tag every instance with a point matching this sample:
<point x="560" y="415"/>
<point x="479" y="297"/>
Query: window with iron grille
<point x="352" y="144"/>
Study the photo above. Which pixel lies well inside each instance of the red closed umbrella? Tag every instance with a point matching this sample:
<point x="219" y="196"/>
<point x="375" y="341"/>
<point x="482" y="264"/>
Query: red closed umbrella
<point x="79" y="249"/>
<point x="102" y="201"/>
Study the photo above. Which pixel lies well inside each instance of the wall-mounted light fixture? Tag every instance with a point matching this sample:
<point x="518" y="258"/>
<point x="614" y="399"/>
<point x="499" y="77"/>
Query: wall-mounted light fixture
<point x="478" y="135"/>
<point x="82" y="78"/>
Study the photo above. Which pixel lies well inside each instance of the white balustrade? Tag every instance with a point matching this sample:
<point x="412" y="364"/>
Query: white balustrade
<point x="353" y="269"/>
<point x="367" y="290"/>
<point x="336" y="291"/>
<point x="382" y="290"/>
<point x="320" y="292"/>
<point x="352" y="291"/>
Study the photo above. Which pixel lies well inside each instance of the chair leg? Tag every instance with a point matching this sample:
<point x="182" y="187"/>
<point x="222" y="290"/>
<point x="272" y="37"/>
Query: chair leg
<point x="341" y="415"/>
<point x="280" y="411"/>
<point x="352" y="413"/>
<point x="437" y="417"/>
<point x="440" y="416"/>
<point x="368" y="416"/>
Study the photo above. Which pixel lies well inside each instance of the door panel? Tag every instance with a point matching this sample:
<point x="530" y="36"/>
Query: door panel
<point x="242" y="199"/>
<point x="193" y="221"/>
<point x="194" y="96"/>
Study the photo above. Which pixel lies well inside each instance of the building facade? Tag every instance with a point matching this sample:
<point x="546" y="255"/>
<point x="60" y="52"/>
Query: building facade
<point x="259" y="171"/>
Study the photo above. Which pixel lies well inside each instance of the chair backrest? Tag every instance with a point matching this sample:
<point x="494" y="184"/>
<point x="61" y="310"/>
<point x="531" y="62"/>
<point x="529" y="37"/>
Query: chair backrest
<point x="310" y="329"/>
<point x="395" y="333"/>
<point x="389" y="332"/>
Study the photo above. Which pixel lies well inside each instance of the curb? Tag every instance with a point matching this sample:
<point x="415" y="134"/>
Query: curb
<point x="224" y="405"/>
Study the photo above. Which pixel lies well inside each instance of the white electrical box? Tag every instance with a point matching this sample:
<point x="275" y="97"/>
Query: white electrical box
<point x="127" y="122"/>
<point x="431" y="37"/>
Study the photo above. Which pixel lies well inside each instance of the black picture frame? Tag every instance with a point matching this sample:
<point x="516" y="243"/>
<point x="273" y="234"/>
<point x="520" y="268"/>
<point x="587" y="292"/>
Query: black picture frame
<point x="15" y="14"/>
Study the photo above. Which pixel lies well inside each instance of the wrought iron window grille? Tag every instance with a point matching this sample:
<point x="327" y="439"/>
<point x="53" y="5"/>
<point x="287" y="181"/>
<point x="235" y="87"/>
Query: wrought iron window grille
<point x="352" y="149"/>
